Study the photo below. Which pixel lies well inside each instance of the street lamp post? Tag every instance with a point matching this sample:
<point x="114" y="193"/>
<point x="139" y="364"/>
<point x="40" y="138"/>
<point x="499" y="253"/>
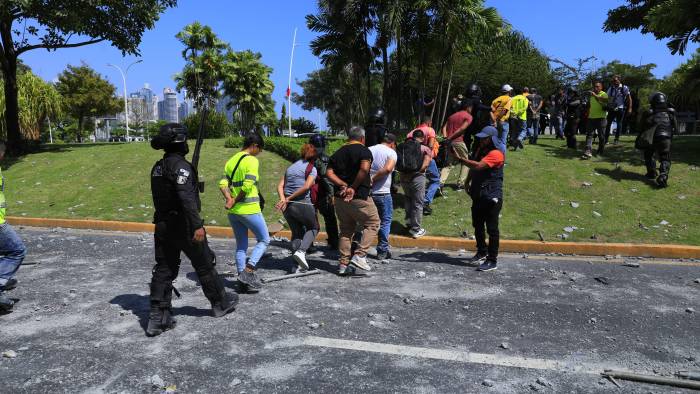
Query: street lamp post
<point x="126" y="106"/>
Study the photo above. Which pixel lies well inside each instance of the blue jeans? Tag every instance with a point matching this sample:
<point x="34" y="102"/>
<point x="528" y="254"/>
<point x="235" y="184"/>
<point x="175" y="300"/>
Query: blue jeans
<point x="533" y="126"/>
<point x="433" y="175"/>
<point x="385" y="209"/>
<point x="241" y="224"/>
<point x="503" y="129"/>
<point x="522" y="129"/>
<point x="12" y="252"/>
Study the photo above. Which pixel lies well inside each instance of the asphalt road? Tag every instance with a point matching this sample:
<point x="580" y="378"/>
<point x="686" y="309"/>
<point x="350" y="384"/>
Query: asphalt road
<point x="536" y="324"/>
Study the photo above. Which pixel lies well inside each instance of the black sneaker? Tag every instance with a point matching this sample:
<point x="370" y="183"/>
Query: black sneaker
<point x="250" y="281"/>
<point x="9" y="285"/>
<point x="383" y="255"/>
<point x="6" y="303"/>
<point x="427" y="211"/>
<point x="478" y="258"/>
<point x="488" y="265"/>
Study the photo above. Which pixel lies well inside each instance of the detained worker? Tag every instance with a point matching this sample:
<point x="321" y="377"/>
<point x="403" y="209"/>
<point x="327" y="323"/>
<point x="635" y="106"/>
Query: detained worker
<point x="244" y="205"/>
<point x="12" y="250"/>
<point x="661" y="117"/>
<point x="325" y="202"/>
<point x="179" y="228"/>
<point x="383" y="163"/>
<point x="500" y="112"/>
<point x="294" y="190"/>
<point x="349" y="169"/>
<point x="486" y="191"/>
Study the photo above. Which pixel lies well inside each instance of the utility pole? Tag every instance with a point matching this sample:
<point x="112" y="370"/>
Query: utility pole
<point x="126" y="105"/>
<point x="289" y="85"/>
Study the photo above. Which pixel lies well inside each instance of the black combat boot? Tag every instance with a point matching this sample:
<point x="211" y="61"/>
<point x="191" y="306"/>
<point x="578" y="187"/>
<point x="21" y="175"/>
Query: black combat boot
<point x="222" y="303"/>
<point x="159" y="320"/>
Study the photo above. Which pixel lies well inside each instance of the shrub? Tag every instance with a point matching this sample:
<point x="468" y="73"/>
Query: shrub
<point x="286" y="147"/>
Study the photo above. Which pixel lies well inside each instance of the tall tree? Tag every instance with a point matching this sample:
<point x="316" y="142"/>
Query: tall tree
<point x="86" y="94"/>
<point x="675" y="20"/>
<point x="38" y="101"/>
<point x="27" y="25"/>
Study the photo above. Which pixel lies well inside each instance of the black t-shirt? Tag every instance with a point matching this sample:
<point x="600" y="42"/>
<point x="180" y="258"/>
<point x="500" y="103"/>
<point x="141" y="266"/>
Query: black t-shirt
<point x="345" y="162"/>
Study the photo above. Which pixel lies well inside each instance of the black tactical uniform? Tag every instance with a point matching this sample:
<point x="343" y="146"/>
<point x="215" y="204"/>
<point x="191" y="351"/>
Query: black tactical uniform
<point x="375" y="130"/>
<point x="574" y="112"/>
<point x="481" y="115"/>
<point x="663" y="119"/>
<point x="177" y="205"/>
<point x="325" y="191"/>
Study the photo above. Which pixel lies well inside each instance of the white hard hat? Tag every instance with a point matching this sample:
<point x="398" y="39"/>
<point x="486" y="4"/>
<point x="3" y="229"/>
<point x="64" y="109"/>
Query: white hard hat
<point x="506" y="88"/>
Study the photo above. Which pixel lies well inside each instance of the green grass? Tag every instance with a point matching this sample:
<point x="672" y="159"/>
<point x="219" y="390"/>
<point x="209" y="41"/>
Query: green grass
<point x="111" y="182"/>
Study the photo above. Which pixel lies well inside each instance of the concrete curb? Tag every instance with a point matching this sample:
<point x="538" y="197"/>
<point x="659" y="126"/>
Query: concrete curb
<point x="427" y="242"/>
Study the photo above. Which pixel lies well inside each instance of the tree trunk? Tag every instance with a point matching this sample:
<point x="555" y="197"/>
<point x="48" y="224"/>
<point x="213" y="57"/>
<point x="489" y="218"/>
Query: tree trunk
<point x="447" y="95"/>
<point x="80" y="128"/>
<point x="436" y="99"/>
<point x="385" y="65"/>
<point x="399" y="72"/>
<point x="14" y="136"/>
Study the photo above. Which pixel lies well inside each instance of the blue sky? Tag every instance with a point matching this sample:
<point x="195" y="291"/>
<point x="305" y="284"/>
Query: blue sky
<point x="560" y="28"/>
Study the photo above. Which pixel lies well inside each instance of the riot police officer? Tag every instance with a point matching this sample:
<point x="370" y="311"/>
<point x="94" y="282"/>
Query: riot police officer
<point x="325" y="190"/>
<point x="179" y="228"/>
<point x="575" y="108"/>
<point x="663" y="119"/>
<point x="481" y="114"/>
<point x="375" y="129"/>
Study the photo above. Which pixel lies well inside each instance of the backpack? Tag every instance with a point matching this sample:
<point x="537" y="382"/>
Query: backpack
<point x="441" y="159"/>
<point x="313" y="192"/>
<point x="409" y="156"/>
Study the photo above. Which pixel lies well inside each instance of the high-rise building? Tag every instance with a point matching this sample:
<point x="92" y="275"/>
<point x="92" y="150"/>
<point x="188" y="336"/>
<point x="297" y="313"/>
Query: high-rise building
<point x="221" y="105"/>
<point x="167" y="109"/>
<point x="149" y="111"/>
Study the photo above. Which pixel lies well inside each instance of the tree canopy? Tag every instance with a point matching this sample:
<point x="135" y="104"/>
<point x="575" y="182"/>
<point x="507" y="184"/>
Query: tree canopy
<point x="38" y="101"/>
<point x="675" y="20"/>
<point x="27" y="25"/>
<point x="86" y="94"/>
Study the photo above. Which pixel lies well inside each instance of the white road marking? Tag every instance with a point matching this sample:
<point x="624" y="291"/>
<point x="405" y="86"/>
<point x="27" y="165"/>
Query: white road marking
<point x="457" y="355"/>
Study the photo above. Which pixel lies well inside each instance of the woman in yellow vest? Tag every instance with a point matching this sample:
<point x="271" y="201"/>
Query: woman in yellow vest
<point x="240" y="188"/>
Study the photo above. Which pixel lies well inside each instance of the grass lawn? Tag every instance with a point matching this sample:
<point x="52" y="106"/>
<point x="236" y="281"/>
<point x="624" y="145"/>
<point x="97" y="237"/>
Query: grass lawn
<point x="111" y="182"/>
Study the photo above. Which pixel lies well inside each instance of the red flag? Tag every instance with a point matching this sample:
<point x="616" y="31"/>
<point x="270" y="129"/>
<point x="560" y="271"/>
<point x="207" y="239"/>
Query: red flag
<point x="289" y="91"/>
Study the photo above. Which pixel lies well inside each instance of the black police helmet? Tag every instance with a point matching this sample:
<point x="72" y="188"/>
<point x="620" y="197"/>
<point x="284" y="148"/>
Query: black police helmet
<point x="318" y="140"/>
<point x="377" y="116"/>
<point x="171" y="133"/>
<point x="658" y="100"/>
<point x="473" y="90"/>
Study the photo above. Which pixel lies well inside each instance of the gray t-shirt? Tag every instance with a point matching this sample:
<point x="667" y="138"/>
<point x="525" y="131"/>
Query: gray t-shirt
<point x="295" y="178"/>
<point x="380" y="155"/>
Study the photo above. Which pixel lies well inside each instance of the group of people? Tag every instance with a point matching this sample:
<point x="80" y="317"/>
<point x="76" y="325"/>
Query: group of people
<point x="354" y="188"/>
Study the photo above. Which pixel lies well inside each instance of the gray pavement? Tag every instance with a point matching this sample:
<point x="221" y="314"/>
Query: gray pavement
<point x="537" y="324"/>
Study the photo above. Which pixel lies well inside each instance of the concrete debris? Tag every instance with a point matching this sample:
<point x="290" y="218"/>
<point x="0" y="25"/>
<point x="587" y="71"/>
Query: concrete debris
<point x="586" y="184"/>
<point x="632" y="264"/>
<point x="235" y="382"/>
<point x="420" y="274"/>
<point x="313" y="326"/>
<point x="9" y="354"/>
<point x="602" y="280"/>
<point x="697" y="280"/>
<point x="212" y="222"/>
<point x="574" y="204"/>
<point x="663" y="223"/>
<point x="596" y="214"/>
<point x="563" y="236"/>
<point x="593" y="320"/>
<point x="408" y="300"/>
<point x="392" y="318"/>
<point x="689" y="310"/>
<point x="505" y="345"/>
<point x="543" y="382"/>
<point x="681" y="197"/>
<point x="276" y="312"/>
<point x="487" y="383"/>
<point x="569" y="229"/>
<point x="633" y="190"/>
<point x="156" y="381"/>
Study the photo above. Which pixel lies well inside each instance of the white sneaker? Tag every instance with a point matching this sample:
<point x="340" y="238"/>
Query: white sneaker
<point x="417" y="234"/>
<point x="360" y="262"/>
<point x="300" y="258"/>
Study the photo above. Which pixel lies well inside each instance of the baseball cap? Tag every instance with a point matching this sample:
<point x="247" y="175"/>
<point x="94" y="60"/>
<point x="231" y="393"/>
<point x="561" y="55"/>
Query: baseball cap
<point x="490" y="131"/>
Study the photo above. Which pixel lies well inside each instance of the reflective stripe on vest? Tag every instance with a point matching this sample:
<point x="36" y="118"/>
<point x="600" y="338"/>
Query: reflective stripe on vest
<point x="250" y="199"/>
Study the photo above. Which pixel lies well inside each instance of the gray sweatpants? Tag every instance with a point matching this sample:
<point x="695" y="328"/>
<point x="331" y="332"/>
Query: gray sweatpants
<point x="303" y="222"/>
<point x="414" y="197"/>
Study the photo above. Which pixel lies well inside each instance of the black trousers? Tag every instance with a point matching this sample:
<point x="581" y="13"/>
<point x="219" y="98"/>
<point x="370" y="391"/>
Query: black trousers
<point x="171" y="238"/>
<point x="327" y="210"/>
<point x="662" y="148"/>
<point x="485" y="214"/>
<point x="570" y="132"/>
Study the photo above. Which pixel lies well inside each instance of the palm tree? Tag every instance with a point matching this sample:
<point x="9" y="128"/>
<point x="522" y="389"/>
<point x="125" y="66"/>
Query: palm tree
<point x="38" y="100"/>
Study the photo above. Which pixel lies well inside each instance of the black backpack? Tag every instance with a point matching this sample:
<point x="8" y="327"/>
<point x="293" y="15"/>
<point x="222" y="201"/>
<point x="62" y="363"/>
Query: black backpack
<point x="442" y="158"/>
<point x="409" y="156"/>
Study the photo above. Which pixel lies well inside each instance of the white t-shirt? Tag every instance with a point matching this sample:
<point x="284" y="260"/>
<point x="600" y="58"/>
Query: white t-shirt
<point x="380" y="155"/>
